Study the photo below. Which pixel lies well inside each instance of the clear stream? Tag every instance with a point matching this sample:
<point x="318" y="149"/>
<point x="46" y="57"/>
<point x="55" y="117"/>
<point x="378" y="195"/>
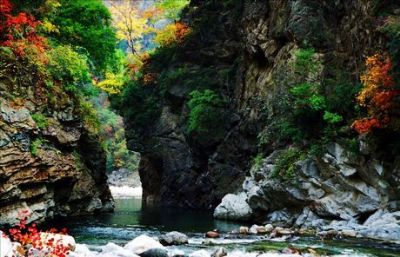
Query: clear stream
<point x="131" y="220"/>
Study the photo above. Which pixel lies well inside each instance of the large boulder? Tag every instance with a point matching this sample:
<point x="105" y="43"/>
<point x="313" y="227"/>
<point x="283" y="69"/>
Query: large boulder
<point x="174" y="238"/>
<point x="142" y="243"/>
<point x="58" y="239"/>
<point x="234" y="207"/>
<point x="5" y="245"/>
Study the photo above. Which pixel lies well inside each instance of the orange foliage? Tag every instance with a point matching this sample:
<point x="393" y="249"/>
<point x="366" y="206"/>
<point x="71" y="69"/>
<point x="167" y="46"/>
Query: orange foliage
<point x="153" y="13"/>
<point x="181" y="31"/>
<point x="377" y="94"/>
<point x="29" y="237"/>
<point x="19" y="32"/>
<point x="149" y="78"/>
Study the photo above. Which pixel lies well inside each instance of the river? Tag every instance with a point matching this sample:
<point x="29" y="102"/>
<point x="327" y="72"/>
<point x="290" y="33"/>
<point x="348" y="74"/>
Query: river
<point x="130" y="220"/>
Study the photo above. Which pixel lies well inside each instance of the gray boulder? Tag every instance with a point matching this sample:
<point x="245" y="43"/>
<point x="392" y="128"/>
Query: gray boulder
<point x="174" y="238"/>
<point x="234" y="207"/>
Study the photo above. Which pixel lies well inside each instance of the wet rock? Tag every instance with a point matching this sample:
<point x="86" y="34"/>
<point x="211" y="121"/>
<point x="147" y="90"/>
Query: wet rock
<point x="212" y="234"/>
<point x="255" y="229"/>
<point x="142" y="243"/>
<point x="283" y="231"/>
<point x="281" y="218"/>
<point x="244" y="230"/>
<point x="269" y="228"/>
<point x="220" y="252"/>
<point x="383" y="225"/>
<point x="234" y="207"/>
<point x="157" y="252"/>
<point x="348" y="233"/>
<point x="174" y="238"/>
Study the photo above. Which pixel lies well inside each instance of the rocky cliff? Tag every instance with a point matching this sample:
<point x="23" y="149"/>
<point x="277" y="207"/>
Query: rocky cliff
<point x="244" y="51"/>
<point x="51" y="164"/>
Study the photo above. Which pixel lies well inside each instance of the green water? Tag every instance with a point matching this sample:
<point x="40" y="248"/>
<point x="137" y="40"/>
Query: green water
<point x="131" y="220"/>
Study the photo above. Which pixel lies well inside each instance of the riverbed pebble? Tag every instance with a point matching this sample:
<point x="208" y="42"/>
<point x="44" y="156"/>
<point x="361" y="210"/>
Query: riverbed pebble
<point x="212" y="234"/>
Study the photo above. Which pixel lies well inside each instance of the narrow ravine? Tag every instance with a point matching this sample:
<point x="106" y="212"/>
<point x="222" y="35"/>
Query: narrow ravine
<point x="199" y="128"/>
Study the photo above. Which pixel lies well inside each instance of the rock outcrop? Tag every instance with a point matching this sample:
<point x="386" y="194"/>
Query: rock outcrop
<point x="341" y="191"/>
<point x="50" y="163"/>
<point x="243" y="50"/>
<point x="234" y="207"/>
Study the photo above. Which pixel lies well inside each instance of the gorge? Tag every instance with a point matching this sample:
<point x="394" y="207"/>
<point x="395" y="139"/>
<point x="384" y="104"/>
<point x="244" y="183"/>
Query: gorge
<point x="277" y="113"/>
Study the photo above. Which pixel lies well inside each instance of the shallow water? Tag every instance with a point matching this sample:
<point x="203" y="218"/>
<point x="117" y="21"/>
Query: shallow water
<point x="131" y="220"/>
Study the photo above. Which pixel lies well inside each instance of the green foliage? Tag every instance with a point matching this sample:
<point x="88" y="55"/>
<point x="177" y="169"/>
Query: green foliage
<point x="205" y="113"/>
<point x="68" y="66"/>
<point x="332" y="118"/>
<point x="40" y="120"/>
<point x="313" y="111"/>
<point x="257" y="161"/>
<point x="36" y="145"/>
<point x="285" y="165"/>
<point x="304" y="61"/>
<point x="89" y="116"/>
<point x="140" y="104"/>
<point x="172" y="8"/>
<point x="112" y="134"/>
<point x="87" y="24"/>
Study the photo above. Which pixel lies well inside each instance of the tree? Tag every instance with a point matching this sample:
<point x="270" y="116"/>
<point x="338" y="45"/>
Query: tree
<point x="18" y="32"/>
<point x="130" y="22"/>
<point x="87" y="24"/>
<point x="377" y="95"/>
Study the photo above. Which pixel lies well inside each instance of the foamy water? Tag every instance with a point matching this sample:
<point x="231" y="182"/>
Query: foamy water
<point x="125" y="192"/>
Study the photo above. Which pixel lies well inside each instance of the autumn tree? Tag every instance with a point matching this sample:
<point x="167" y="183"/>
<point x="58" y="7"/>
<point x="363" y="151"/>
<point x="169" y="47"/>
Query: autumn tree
<point x="377" y="95"/>
<point x="131" y="23"/>
<point x="19" y="31"/>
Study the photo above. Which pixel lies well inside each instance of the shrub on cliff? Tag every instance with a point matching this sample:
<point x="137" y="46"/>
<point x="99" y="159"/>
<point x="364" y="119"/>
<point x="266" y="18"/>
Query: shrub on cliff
<point x="205" y="112"/>
<point x="315" y="109"/>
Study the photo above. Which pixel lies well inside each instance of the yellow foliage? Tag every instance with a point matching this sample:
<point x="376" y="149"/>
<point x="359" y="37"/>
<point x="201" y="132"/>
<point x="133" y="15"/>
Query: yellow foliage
<point x="112" y="84"/>
<point x="172" y="33"/>
<point x="130" y="23"/>
<point x="376" y="78"/>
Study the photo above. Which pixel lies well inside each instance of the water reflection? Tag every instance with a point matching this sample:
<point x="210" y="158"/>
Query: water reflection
<point x="130" y="212"/>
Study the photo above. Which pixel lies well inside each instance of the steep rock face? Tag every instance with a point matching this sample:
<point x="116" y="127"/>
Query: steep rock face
<point x="339" y="191"/>
<point x="52" y="166"/>
<point x="256" y="41"/>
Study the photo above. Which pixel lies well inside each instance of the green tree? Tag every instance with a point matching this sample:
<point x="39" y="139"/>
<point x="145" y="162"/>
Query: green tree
<point x="86" y="23"/>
